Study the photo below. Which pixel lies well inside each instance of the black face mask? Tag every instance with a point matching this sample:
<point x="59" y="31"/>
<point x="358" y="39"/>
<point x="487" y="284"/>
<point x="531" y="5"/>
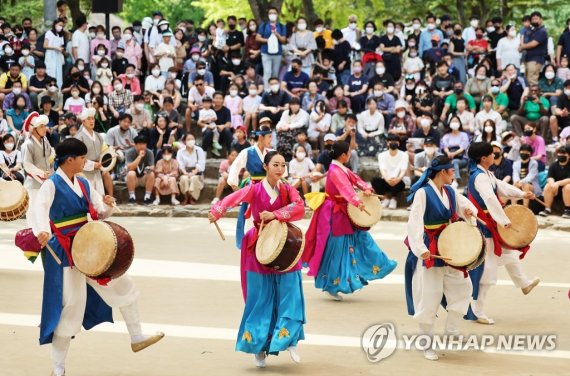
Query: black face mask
<point x="457" y="32"/>
<point x="19" y="35"/>
<point x="457" y="91"/>
<point x="497" y="155"/>
<point x="231" y="26"/>
<point x="535" y="24"/>
<point x="528" y="133"/>
<point x="525" y="157"/>
<point x="75" y="75"/>
<point x="328" y="147"/>
<point x="562" y="158"/>
<point x="393" y="145"/>
<point x="434" y="44"/>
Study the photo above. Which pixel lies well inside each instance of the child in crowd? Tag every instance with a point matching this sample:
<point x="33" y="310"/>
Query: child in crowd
<point x="208" y="115"/>
<point x="224" y="169"/>
<point x="251" y="107"/>
<point x="300" y="168"/>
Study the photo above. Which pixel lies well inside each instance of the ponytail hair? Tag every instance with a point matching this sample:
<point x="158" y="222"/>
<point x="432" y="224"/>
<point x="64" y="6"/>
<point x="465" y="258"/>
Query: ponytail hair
<point x="339" y="148"/>
<point x="262" y="129"/>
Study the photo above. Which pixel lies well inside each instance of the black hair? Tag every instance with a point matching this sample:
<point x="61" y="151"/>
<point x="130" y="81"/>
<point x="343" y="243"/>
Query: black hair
<point x="263" y="128"/>
<point x="140" y="139"/>
<point x="70" y="147"/>
<point x="125" y="116"/>
<point x="217" y="93"/>
<point x="443" y="160"/>
<point x="167" y="149"/>
<point x="479" y="150"/>
<point x="351" y="116"/>
<point x="167" y="100"/>
<point x="339" y="148"/>
<point x="337" y="34"/>
<point x="564" y="149"/>
<point x="526" y="147"/>
<point x="269" y="156"/>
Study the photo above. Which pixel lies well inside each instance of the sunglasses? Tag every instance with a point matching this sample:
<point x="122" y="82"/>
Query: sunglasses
<point x="199" y="85"/>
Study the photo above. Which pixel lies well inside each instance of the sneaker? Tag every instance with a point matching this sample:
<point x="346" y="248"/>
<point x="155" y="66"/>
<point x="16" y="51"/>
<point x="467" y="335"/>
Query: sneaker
<point x="156" y="201"/>
<point x="455" y="184"/>
<point x="215" y="200"/>
<point x="393" y="204"/>
<point x="215" y="152"/>
<point x="533" y="284"/>
<point x="407" y="182"/>
<point x="335" y="296"/>
<point x="429" y="354"/>
<point x="566" y="214"/>
<point x="132" y="201"/>
<point x="546" y="213"/>
<point x="148" y="201"/>
<point x="217" y="146"/>
<point x="260" y="359"/>
<point x="385" y="203"/>
<point x="174" y="201"/>
<point x="294" y="354"/>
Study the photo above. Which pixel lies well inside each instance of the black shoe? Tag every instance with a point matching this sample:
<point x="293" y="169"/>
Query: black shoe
<point x="544" y="213"/>
<point x="148" y="201"/>
<point x="132" y="201"/>
<point x="566" y="213"/>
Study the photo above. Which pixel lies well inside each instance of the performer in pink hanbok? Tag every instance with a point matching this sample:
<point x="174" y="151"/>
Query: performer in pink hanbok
<point x="341" y="257"/>
<point x="274" y="311"/>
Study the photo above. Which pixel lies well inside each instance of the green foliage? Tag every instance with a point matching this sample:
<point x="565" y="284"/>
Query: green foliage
<point x="20" y="9"/>
<point x="221" y="9"/>
<point x="173" y="10"/>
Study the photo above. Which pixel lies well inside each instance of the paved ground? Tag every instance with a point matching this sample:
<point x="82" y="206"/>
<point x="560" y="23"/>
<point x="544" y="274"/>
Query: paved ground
<point x="189" y="283"/>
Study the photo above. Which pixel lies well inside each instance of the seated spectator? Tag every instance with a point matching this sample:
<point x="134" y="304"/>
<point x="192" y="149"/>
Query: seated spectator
<point x="223" y="171"/>
<point x="319" y="125"/>
<point x="488" y="113"/>
<point x="454" y="145"/>
<point x="479" y="85"/>
<point x="203" y="72"/>
<point x="302" y="140"/>
<point x="404" y="123"/>
<point x="537" y="144"/>
<point x="274" y="101"/>
<point x="154" y="82"/>
<point x="426" y="130"/>
<point x="195" y="97"/>
<point x="502" y="167"/>
<point x="324" y="159"/>
<point x="251" y="77"/>
<point x="141" y="117"/>
<point x="442" y="85"/>
<point x="550" y="86"/>
<point x="383" y="77"/>
<point x="174" y="118"/>
<point x="393" y="165"/>
<point x="560" y="118"/>
<point x="251" y="107"/>
<point x="189" y="66"/>
<point x="534" y="108"/>
<point x="166" y="182"/>
<point x="10" y="160"/>
<point x="558" y="183"/>
<point x="161" y="134"/>
<point x="500" y="100"/>
<point x="348" y="134"/>
<point x="120" y="99"/>
<point x="4" y="129"/>
<point x="103" y="116"/>
<point x="8" y="78"/>
<point x="192" y="162"/>
<point x="356" y="87"/>
<point x="96" y="90"/>
<point x="525" y="173"/>
<point x="16" y="91"/>
<point x="489" y="133"/>
<point x="311" y="97"/>
<point x="295" y="81"/>
<point x="130" y="81"/>
<point x="337" y="120"/>
<point x="300" y="169"/>
<point x="370" y="130"/>
<point x="338" y="95"/>
<point x="423" y="159"/>
<point x="563" y="71"/>
<point x="122" y="136"/>
<point x="222" y="122"/>
<point x="467" y="117"/>
<point x="38" y="83"/>
<point x="514" y="86"/>
<point x="75" y="79"/>
<point x="423" y="101"/>
<point x="140" y="169"/>
<point x="8" y="58"/>
<point x="384" y="101"/>
<point x="240" y="141"/>
<point x="120" y="62"/>
<point x="450" y="104"/>
<point x="74" y="104"/>
<point x="511" y="145"/>
<point x="46" y="109"/>
<point x="292" y="120"/>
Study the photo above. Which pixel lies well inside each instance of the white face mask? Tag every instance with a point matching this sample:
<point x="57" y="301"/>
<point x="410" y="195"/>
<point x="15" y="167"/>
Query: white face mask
<point x="488" y="129"/>
<point x="139" y="106"/>
<point x="104" y="65"/>
<point x="252" y="92"/>
<point x="101" y="35"/>
<point x="481" y="77"/>
<point x="236" y="62"/>
<point x="92" y="35"/>
<point x="490" y="29"/>
<point x="380" y="70"/>
<point x="96" y="90"/>
<point x="416" y="26"/>
<point x="101" y="52"/>
<point x="454" y="126"/>
<point x="319" y="29"/>
<point x="273" y="17"/>
<point x="25" y="52"/>
<point x="195" y="57"/>
<point x="431" y="26"/>
<point x="118" y="87"/>
<point x="274" y="88"/>
<point x="201" y="72"/>
<point x="390" y="30"/>
<point x="474" y="23"/>
<point x="253" y="28"/>
<point x="512" y="33"/>
<point x="425" y="123"/>
<point x="201" y="38"/>
<point x="119" y="54"/>
<point x="9" y="51"/>
<point x="190" y="143"/>
<point x="300" y="155"/>
<point x="352" y="26"/>
<point x="9" y="146"/>
<point x="357" y="69"/>
<point x="75" y="94"/>
<point x="302" y="26"/>
<point x="369" y="30"/>
<point x="128" y="37"/>
<point x="156" y="72"/>
<point x="130" y="75"/>
<point x="58" y="28"/>
<point x="172" y="75"/>
<point x="549" y="75"/>
<point x="429" y="150"/>
<point x="233" y="93"/>
<point x="16" y="91"/>
<point x="167" y="157"/>
<point x="81" y="67"/>
<point x="401" y="114"/>
<point x="378" y="93"/>
<point x="567" y="92"/>
<point x="410" y="87"/>
<point x="52" y="89"/>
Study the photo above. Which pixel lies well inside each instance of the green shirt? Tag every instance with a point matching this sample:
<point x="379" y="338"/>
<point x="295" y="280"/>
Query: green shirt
<point x="501" y="100"/>
<point x="546" y="87"/>
<point x="532" y="110"/>
<point x="451" y="100"/>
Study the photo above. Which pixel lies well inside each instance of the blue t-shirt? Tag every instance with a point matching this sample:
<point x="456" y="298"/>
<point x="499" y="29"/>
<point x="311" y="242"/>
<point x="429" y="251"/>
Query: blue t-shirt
<point x="296" y="82"/>
<point x="265" y="31"/>
<point x="18" y="120"/>
<point x="356" y="83"/>
<point x="539" y="52"/>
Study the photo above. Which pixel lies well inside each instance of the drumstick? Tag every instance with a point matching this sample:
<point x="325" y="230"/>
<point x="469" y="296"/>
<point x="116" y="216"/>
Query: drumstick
<point x="484" y="224"/>
<point x="53" y="254"/>
<point x="219" y="230"/>
<point x="261" y="227"/>
<point x="116" y="208"/>
<point x="440" y="257"/>
<point x="539" y="201"/>
<point x="366" y="211"/>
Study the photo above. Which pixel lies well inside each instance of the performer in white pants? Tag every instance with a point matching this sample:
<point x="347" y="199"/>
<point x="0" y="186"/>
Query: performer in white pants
<point x="484" y="191"/>
<point x="429" y="280"/>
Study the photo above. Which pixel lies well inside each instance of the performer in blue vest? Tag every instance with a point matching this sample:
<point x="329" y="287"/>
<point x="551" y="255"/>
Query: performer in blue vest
<point x="70" y="299"/>
<point x="484" y="190"/>
<point x="428" y="280"/>
<point x="250" y="159"/>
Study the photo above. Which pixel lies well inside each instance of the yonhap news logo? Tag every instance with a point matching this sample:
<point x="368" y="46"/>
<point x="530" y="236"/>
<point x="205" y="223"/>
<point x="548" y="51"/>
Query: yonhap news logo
<point x="379" y="341"/>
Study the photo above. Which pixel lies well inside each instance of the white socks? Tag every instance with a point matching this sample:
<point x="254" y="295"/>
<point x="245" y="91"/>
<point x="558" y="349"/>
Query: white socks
<point x="59" y="348"/>
<point x="131" y="315"/>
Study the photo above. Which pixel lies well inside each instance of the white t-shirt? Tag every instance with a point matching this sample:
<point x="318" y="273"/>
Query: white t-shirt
<point x="3" y="126"/>
<point x="195" y="97"/>
<point x="301" y="168"/>
<point x="392" y="166"/>
<point x="75" y="105"/>
<point x="165" y="62"/>
<point x="80" y="41"/>
<point x="251" y="104"/>
<point x="152" y="83"/>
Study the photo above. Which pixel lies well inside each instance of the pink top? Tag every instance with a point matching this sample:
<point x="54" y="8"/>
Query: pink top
<point x="135" y="84"/>
<point x="95" y="42"/>
<point x="538" y="147"/>
<point x="224" y="166"/>
<point x="233" y="103"/>
<point x="132" y="52"/>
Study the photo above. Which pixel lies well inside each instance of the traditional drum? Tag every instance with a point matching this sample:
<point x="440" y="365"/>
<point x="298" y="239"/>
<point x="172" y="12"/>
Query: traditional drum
<point x="280" y="245"/>
<point x="523" y="230"/>
<point x="108" y="160"/>
<point x="463" y="244"/>
<point x="360" y="218"/>
<point x="14" y="200"/>
<point x="102" y="250"/>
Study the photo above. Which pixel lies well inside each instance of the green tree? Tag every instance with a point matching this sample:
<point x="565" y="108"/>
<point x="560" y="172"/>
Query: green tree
<point x="173" y="10"/>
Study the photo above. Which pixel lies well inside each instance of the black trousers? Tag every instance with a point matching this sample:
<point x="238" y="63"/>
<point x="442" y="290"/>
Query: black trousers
<point x="226" y="137"/>
<point x="382" y="187"/>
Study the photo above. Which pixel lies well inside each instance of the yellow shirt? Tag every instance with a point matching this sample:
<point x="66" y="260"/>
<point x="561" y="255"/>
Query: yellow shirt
<point x="327" y="35"/>
<point x="6" y="76"/>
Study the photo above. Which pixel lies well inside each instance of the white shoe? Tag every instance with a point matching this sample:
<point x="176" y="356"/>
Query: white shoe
<point x="485" y="320"/>
<point x="260" y="360"/>
<point x="429" y="354"/>
<point x="294" y="354"/>
<point x="454" y="184"/>
<point x="174" y="201"/>
<point x="528" y="289"/>
<point x="335" y="296"/>
<point x="385" y="203"/>
<point x="407" y="182"/>
<point x="156" y="201"/>
<point x="215" y="200"/>
<point x="393" y="204"/>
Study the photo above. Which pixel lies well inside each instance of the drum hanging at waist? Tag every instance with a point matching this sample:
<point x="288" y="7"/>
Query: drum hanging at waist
<point x="463" y="245"/>
<point x="14" y="200"/>
<point x="279" y="246"/>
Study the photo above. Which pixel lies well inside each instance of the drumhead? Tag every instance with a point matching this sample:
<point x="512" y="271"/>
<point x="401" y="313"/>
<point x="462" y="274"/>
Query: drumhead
<point x="524" y="227"/>
<point x="460" y="242"/>
<point x="108" y="160"/>
<point x="94" y="248"/>
<point x="270" y="242"/>
<point x="360" y="218"/>
<point x="12" y="195"/>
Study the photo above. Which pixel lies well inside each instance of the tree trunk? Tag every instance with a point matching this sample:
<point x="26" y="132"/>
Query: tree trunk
<point x="309" y="10"/>
<point x="461" y="11"/>
<point x="74" y="8"/>
<point x="259" y="7"/>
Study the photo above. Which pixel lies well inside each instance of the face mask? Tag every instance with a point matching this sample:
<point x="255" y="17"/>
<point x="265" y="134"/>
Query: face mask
<point x="481" y="77"/>
<point x="357" y="69"/>
<point x="512" y="33"/>
<point x="16" y="90"/>
<point x="474" y="23"/>
<point x="300" y="155"/>
<point x="378" y="93"/>
<point x="490" y="29"/>
<point x="495" y="89"/>
<point x="139" y="106"/>
<point x="425" y="123"/>
<point x="454" y="126"/>
<point x="195" y="57"/>
<point x="431" y="26"/>
<point x="479" y="36"/>
<point x="104" y="65"/>
<point x="380" y="71"/>
<point x="416" y="26"/>
<point x="236" y="62"/>
<point x="549" y="75"/>
<point x="101" y="52"/>
<point x="319" y="29"/>
<point x="52" y="89"/>
<point x="118" y="87"/>
<point x="352" y="26"/>
<point x="231" y="26"/>
<point x="119" y="54"/>
<point x="9" y="146"/>
<point x="167" y="157"/>
<point x="201" y="38"/>
<point x="412" y="43"/>
<point x="58" y="28"/>
<point x="156" y="72"/>
<point x="401" y="114"/>
<point x="201" y="72"/>
<point x="130" y="75"/>
<point x="233" y="93"/>
<point x="128" y="37"/>
<point x="561" y="158"/>
<point x="92" y="35"/>
<point x="101" y="35"/>
<point x="528" y="132"/>
<point x="413" y="54"/>
<point x="369" y="30"/>
<point x="410" y="87"/>
<point x="25" y="52"/>
<point x="96" y="90"/>
<point x="525" y="156"/>
<point x="497" y="155"/>
<point x="75" y="94"/>
<point x="155" y="21"/>
<point x="253" y="28"/>
<point x="190" y="143"/>
<point x="488" y="129"/>
<point x="252" y="92"/>
<point x="567" y="92"/>
<point x="9" y="51"/>
<point x="458" y="91"/>
<point x="390" y="30"/>
<point x="393" y="145"/>
<point x="274" y="88"/>
<point x="457" y="32"/>
<point x="272" y="17"/>
<point x="164" y="27"/>
<point x="535" y="24"/>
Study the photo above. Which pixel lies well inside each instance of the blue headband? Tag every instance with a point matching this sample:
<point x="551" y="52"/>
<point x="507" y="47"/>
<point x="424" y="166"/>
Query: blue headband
<point x="435" y="166"/>
<point x="262" y="133"/>
<point x="60" y="160"/>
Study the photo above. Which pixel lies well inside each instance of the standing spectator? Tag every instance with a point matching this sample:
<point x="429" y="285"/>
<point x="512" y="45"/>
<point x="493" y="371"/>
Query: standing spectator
<point x="457" y="51"/>
<point x="192" y="162"/>
<point x="166" y="171"/>
<point x="426" y="35"/>
<point x="274" y="101"/>
<point x="393" y="165"/>
<point x="342" y="52"/>
<point x="502" y="167"/>
<point x="133" y="51"/>
<point x="272" y="36"/>
<point x="80" y="40"/>
<point x="534" y="108"/>
<point x="119" y="63"/>
<point x="536" y="48"/>
<point x="560" y="118"/>
<point x="563" y="46"/>
<point x="323" y="33"/>
<point x="558" y="183"/>
<point x="165" y="53"/>
<point x="357" y="87"/>
<point x="525" y="173"/>
<point x="369" y="44"/>
<point x="391" y="48"/>
<point x="507" y="51"/>
<point x="54" y="44"/>
<point x="302" y="45"/>
<point x="140" y="169"/>
<point x="454" y="145"/>
<point x="252" y="51"/>
<point x="351" y="33"/>
<point x="469" y="32"/>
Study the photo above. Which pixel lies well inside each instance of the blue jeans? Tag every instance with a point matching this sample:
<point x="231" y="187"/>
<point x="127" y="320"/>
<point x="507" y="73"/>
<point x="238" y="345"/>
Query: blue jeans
<point x="457" y="165"/>
<point x="271" y="65"/>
